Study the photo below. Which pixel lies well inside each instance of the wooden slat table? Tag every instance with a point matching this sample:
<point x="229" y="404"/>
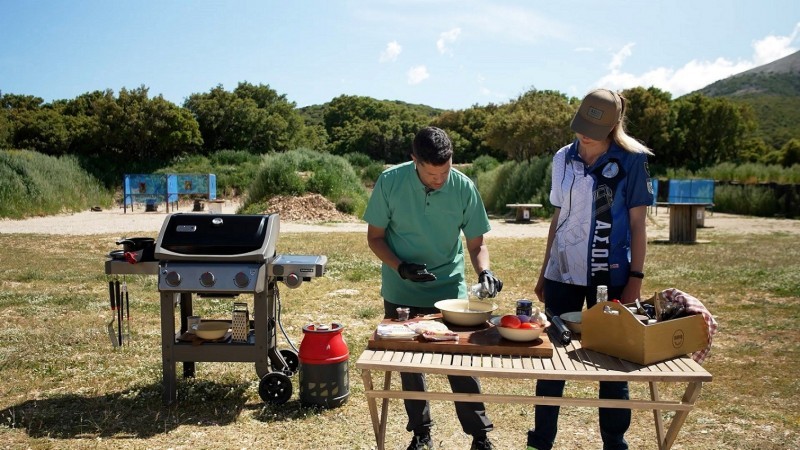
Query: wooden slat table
<point x="569" y="362"/>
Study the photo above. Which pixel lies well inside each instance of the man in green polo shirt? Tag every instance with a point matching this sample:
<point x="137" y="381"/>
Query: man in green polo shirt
<point x="415" y="217"/>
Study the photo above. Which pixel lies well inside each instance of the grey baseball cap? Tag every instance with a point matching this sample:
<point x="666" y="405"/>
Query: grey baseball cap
<point x="599" y="112"/>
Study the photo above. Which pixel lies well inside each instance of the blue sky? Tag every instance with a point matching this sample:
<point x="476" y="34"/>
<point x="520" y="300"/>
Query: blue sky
<point x="446" y="54"/>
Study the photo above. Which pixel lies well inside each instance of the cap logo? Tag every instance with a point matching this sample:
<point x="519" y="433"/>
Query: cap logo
<point x="594" y="113"/>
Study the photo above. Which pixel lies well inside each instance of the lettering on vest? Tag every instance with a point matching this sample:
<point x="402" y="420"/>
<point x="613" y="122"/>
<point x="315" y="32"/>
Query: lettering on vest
<point x="602" y="231"/>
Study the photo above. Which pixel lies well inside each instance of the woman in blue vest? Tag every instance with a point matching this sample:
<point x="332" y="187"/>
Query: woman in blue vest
<point x="600" y="191"/>
<point x="415" y="217"/>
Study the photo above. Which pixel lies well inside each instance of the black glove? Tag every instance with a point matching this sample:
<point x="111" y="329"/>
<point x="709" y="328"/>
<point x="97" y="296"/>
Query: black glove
<point x="414" y="272"/>
<point x="491" y="284"/>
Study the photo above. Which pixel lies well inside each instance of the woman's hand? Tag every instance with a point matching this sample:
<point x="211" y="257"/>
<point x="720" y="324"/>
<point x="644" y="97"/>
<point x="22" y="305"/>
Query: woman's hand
<point x="632" y="290"/>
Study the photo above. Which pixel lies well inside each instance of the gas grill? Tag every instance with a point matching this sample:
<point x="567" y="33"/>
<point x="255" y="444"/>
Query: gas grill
<point x="221" y="256"/>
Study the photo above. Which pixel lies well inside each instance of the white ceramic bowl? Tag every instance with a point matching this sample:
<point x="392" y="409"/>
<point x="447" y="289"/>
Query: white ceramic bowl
<point x="212" y="330"/>
<point x="466" y="313"/>
<point x="518" y="334"/>
<point x="573" y="321"/>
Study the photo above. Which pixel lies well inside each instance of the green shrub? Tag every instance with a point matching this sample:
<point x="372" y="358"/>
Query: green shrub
<point x="484" y="163"/>
<point x="278" y="176"/>
<point x="746" y="199"/>
<point x="254" y="208"/>
<point x="358" y="160"/>
<point x="346" y="205"/>
<point x="235" y="169"/>
<point x="34" y="184"/>
<point x="370" y="173"/>
<point x="748" y="173"/>
<point x="299" y="171"/>
<point x="517" y="182"/>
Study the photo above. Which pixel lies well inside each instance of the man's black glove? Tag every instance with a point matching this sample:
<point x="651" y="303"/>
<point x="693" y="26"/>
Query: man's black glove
<point x="414" y="272"/>
<point x="491" y="284"/>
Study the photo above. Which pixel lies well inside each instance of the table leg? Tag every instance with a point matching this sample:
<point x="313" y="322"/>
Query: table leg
<point x="387" y="380"/>
<point x="689" y="397"/>
<point x="659" y="422"/>
<point x="366" y="376"/>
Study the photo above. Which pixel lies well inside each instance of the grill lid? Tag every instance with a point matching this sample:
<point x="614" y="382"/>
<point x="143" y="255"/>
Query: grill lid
<point x="217" y="237"/>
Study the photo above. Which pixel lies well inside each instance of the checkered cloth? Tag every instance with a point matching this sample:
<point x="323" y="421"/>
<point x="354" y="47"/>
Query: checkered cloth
<point x="694" y="306"/>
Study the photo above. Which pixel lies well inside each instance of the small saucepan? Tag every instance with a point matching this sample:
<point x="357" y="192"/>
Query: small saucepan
<point x="146" y="245"/>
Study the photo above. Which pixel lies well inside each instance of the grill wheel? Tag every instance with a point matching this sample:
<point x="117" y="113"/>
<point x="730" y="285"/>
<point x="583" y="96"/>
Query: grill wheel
<point x="275" y="388"/>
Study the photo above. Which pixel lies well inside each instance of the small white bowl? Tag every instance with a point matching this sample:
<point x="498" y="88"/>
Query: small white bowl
<point x="573" y="321"/>
<point x="466" y="313"/>
<point x="212" y="330"/>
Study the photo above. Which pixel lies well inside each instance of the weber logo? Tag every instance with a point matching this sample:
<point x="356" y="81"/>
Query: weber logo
<point x="677" y="339"/>
<point x="595" y="113"/>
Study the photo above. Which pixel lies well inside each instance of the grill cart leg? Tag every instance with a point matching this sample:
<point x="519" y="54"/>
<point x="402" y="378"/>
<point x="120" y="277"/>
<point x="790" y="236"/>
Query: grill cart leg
<point x="169" y="394"/>
<point x="263" y="312"/>
<point x="186" y="311"/>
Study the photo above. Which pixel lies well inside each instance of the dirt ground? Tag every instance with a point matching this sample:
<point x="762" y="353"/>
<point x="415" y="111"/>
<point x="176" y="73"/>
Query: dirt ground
<point x="312" y="213"/>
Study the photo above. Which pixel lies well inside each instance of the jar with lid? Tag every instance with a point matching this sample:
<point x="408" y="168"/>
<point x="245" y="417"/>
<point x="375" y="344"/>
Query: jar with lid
<point x="524" y="307"/>
<point x="602" y="293"/>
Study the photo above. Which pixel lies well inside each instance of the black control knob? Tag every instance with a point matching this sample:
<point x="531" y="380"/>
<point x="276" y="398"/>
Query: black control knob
<point x="173" y="278"/>
<point x="241" y="279"/>
<point x="207" y="279"/>
<point x="293" y="281"/>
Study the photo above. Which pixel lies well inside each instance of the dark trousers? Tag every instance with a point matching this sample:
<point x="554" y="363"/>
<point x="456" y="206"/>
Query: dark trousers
<point x="614" y="422"/>
<point x="472" y="415"/>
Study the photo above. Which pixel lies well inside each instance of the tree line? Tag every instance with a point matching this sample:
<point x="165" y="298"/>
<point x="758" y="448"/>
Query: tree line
<point x="132" y="132"/>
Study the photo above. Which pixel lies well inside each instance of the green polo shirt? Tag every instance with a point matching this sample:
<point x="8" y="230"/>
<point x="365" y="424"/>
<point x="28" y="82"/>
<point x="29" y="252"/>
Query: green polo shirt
<point x="425" y="228"/>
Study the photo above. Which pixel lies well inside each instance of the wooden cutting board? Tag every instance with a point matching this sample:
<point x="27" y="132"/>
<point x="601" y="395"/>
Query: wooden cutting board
<point x="482" y="339"/>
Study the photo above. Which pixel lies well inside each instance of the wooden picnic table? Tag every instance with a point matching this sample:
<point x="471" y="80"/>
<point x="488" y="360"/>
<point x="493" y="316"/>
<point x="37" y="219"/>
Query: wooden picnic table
<point x="683" y="221"/>
<point x="523" y="213"/>
<point x="570" y="362"/>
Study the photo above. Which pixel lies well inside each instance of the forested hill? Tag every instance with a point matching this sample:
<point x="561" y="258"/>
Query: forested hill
<point x="781" y="77"/>
<point x="772" y="91"/>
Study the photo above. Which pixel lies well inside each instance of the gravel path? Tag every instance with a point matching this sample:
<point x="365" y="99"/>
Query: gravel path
<point x="116" y="222"/>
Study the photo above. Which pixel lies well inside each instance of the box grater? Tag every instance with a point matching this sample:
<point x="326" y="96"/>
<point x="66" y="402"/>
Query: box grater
<point x="240" y="323"/>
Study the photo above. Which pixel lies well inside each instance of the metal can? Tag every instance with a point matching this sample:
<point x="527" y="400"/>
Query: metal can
<point x="524" y="307"/>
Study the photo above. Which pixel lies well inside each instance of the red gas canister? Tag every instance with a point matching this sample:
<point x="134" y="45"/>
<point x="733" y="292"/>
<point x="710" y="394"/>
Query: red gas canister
<point x="324" y="379"/>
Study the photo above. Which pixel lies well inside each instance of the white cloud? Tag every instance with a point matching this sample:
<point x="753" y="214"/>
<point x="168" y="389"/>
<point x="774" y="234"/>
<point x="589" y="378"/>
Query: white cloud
<point x="618" y="58"/>
<point x="775" y="47"/>
<point x="391" y="52"/>
<point x="445" y="38"/>
<point x="696" y="74"/>
<point x="417" y="74"/>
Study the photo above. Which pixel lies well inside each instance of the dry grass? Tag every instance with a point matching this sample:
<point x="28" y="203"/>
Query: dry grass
<point x="63" y="386"/>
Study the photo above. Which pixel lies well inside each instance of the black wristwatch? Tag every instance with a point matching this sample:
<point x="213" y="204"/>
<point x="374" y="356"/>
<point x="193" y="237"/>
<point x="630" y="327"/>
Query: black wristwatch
<point x="636" y="274"/>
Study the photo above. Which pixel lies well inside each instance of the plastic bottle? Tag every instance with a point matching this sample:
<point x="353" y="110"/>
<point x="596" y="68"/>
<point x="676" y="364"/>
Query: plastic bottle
<point x="478" y="290"/>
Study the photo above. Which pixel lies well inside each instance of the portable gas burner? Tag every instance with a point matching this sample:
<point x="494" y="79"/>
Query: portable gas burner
<point x="226" y="255"/>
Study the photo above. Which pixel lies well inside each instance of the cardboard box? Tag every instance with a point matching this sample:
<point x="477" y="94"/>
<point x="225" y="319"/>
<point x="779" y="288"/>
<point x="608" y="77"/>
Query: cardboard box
<point x="618" y="333"/>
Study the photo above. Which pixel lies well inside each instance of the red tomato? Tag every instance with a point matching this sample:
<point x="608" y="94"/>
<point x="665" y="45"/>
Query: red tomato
<point x="527" y="325"/>
<point x="510" y="321"/>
